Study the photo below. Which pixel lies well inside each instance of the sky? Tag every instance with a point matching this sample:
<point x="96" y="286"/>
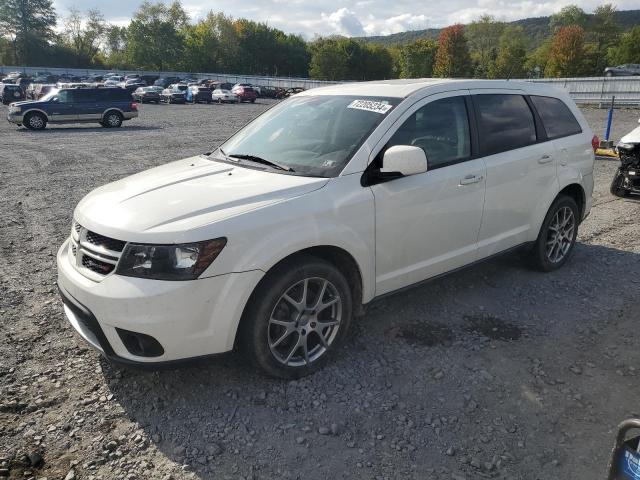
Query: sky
<point x="356" y="18"/>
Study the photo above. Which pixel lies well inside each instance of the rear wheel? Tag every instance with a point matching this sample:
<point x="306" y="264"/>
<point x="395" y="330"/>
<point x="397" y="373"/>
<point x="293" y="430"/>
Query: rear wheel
<point x="112" y="120"/>
<point x="35" y="121"/>
<point x="557" y="236"/>
<point x="297" y="317"/>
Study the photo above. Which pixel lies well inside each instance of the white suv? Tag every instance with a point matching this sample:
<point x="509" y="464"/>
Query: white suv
<point x="331" y="198"/>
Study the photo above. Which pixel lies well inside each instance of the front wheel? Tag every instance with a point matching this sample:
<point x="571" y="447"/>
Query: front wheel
<point x="557" y="236"/>
<point x="297" y="317"/>
<point x="617" y="185"/>
<point x="35" y="121"/>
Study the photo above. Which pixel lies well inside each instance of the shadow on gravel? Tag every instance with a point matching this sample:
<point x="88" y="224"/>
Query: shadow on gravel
<point x="219" y="418"/>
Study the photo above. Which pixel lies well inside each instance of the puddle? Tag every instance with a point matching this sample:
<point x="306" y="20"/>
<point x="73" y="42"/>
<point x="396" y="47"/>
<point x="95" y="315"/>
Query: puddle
<point x="491" y="327"/>
<point x="426" y="334"/>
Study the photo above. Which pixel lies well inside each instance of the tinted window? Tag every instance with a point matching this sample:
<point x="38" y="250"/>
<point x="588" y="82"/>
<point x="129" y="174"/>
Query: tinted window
<point x="440" y="128"/>
<point x="557" y="118"/>
<point x="66" y="96"/>
<point x="86" y="96"/>
<point x="505" y="122"/>
<point x="114" y="95"/>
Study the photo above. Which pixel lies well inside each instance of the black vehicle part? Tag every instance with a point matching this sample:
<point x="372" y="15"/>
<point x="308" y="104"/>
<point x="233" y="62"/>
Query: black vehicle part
<point x="627" y="178"/>
<point x="140" y="344"/>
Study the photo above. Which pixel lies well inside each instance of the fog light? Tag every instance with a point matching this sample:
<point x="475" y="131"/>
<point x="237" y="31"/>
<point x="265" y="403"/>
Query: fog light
<point x="140" y="344"/>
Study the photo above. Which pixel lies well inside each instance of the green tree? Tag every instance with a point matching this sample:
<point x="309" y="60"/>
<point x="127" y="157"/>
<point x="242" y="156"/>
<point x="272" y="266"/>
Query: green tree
<point x="28" y="24"/>
<point x="417" y="59"/>
<point x="115" y="46"/>
<point x="628" y="50"/>
<point x="484" y="37"/>
<point x="83" y="35"/>
<point x="328" y="60"/>
<point x="155" y="37"/>
<point x="569" y="15"/>
<point x="567" y="54"/>
<point x="512" y="53"/>
<point x="604" y="32"/>
<point x="452" y="57"/>
<point x="537" y="60"/>
<point x="339" y="58"/>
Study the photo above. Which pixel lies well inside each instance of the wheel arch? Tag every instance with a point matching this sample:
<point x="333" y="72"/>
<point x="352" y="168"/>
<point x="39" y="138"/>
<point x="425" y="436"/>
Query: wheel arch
<point x="35" y="110"/>
<point x="575" y="191"/>
<point x="112" y="109"/>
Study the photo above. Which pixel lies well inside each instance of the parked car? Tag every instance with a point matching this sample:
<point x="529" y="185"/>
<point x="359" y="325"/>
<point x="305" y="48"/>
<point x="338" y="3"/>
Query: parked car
<point x="106" y="106"/>
<point x="626" y="70"/>
<point x="224" y="96"/>
<point x="149" y="79"/>
<point x="200" y="94"/>
<point x="626" y="180"/>
<point x="134" y="84"/>
<point x="111" y="83"/>
<point x="270" y="92"/>
<point x="172" y="95"/>
<point x="288" y="92"/>
<point x="248" y="85"/>
<point x="164" y="82"/>
<point x="147" y="94"/>
<point x="10" y="92"/>
<point x="38" y="90"/>
<point x="245" y="94"/>
<point x="328" y="200"/>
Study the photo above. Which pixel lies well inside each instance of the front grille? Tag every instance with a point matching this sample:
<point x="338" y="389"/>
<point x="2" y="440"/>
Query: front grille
<point x="104" y="242"/>
<point x="97" y="266"/>
<point x="93" y="254"/>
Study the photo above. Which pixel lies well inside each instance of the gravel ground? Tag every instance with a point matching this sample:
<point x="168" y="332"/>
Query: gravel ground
<point x="492" y="372"/>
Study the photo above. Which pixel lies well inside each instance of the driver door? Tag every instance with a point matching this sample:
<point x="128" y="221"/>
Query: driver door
<point x="428" y="224"/>
<point x="64" y="109"/>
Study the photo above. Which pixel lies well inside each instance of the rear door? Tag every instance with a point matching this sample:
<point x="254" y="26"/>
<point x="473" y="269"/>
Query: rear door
<point x="88" y="105"/>
<point x="521" y="169"/>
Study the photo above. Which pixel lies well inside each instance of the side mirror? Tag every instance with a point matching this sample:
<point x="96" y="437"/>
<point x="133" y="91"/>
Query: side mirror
<point x="405" y="160"/>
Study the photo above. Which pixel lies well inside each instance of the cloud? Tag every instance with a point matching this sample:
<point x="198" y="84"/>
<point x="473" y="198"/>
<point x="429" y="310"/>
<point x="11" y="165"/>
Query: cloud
<point x="344" y="22"/>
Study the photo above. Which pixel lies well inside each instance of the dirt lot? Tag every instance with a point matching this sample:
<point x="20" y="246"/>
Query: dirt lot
<point x="492" y="372"/>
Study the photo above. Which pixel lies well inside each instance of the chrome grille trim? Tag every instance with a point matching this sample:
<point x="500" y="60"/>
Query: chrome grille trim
<point x="80" y="248"/>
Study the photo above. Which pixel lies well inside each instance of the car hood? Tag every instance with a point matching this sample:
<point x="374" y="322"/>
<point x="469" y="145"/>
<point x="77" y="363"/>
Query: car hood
<point x="632" y="137"/>
<point x="178" y="201"/>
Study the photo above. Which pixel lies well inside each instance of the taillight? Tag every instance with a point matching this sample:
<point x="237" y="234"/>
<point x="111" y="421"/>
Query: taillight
<point x="595" y="143"/>
<point x="134" y="106"/>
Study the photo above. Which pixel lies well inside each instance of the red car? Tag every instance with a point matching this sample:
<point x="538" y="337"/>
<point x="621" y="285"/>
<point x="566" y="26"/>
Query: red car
<point x="245" y="94"/>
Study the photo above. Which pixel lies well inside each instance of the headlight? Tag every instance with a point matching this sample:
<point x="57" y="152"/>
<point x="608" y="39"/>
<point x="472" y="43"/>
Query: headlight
<point x="626" y="146"/>
<point x="169" y="262"/>
<point x="14" y="109"/>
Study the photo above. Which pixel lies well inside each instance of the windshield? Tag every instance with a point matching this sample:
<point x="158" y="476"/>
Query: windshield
<point x="312" y="135"/>
<point x="52" y="93"/>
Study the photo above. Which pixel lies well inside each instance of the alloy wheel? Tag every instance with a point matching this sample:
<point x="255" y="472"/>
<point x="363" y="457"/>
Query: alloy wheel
<point x="304" y="322"/>
<point x="113" y="120"/>
<point x="36" y="122"/>
<point x="560" y="235"/>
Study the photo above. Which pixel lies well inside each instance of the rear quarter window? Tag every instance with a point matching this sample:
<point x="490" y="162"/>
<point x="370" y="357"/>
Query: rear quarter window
<point x="505" y="122"/>
<point x="556" y="117"/>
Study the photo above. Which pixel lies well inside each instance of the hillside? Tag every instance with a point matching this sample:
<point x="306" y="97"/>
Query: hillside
<point x="535" y="29"/>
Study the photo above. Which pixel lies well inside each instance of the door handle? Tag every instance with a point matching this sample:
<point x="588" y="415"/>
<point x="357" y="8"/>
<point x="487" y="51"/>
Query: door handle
<point x="469" y="179"/>
<point x="545" y="159"/>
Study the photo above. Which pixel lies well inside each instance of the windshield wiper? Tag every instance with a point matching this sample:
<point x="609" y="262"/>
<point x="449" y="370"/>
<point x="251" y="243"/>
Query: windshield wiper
<point x="264" y="161"/>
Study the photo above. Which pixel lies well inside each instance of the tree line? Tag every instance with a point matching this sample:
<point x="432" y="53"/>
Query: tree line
<point x="163" y="37"/>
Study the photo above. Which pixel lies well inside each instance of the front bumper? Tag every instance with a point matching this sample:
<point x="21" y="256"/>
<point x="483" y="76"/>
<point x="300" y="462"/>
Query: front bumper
<point x="15" y="118"/>
<point x="189" y="318"/>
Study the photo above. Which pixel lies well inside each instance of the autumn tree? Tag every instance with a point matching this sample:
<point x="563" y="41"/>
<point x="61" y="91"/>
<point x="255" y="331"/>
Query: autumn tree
<point x="512" y="53"/>
<point x="417" y="59"/>
<point x="567" y="54"/>
<point x="452" y="57"/>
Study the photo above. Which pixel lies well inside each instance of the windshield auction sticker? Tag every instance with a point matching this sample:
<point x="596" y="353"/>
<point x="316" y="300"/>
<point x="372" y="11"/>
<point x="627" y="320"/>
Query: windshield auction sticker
<point x="371" y="106"/>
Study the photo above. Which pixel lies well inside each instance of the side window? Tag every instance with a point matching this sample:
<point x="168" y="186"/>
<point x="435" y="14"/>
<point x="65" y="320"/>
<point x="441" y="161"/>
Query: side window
<point x="505" y="122"/>
<point x="86" y="96"/>
<point x="441" y="129"/>
<point x="557" y="118"/>
<point x="66" y="96"/>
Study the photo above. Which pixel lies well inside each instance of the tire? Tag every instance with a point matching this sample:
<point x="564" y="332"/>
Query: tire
<point x="112" y="119"/>
<point x="551" y="251"/>
<point x="35" y="121"/>
<point x="608" y="74"/>
<point x="616" y="185"/>
<point x="274" y="330"/>
<point x="253" y="100"/>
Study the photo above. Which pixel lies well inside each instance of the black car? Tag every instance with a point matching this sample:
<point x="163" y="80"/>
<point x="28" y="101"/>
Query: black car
<point x="147" y="94"/>
<point x="626" y="70"/>
<point x="200" y="94"/>
<point x="10" y="92"/>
